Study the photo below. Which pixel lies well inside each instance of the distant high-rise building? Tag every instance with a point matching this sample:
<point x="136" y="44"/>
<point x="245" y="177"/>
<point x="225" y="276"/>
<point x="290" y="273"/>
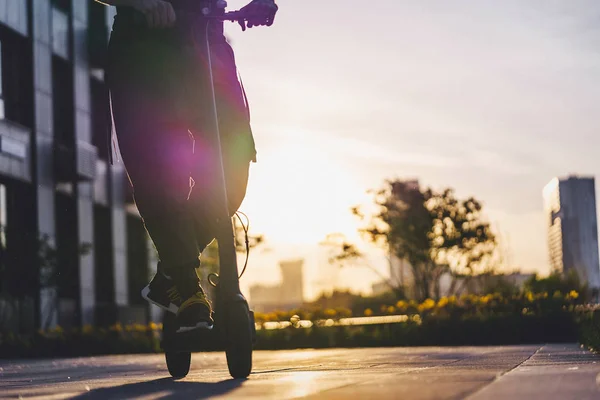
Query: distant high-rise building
<point x="292" y="282"/>
<point x="570" y="206"/>
<point x="287" y="295"/>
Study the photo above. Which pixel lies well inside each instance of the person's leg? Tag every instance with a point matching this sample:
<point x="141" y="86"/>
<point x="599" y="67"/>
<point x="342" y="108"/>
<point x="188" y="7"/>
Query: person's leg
<point x="157" y="151"/>
<point x="237" y="141"/>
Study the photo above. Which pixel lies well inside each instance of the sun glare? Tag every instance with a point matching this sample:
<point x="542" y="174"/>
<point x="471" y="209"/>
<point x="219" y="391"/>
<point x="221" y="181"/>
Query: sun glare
<point x="299" y="191"/>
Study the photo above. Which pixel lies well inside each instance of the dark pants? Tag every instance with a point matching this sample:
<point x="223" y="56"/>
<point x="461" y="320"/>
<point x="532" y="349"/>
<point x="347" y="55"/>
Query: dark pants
<point x="161" y="107"/>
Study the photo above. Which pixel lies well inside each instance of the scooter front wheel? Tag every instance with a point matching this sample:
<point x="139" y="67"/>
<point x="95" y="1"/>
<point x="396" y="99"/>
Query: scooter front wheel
<point x="239" y="340"/>
<point x="178" y="363"/>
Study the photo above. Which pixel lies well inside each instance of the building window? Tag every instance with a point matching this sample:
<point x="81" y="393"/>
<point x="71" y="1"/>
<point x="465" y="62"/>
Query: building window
<point x="2" y="115"/>
<point x="103" y="256"/>
<point x="100" y="118"/>
<point x="17" y="239"/>
<point x="97" y="35"/>
<point x="13" y="13"/>
<point x="60" y="33"/>
<point x="2" y="215"/>
<point x="16" y="78"/>
<point x="64" y="115"/>
<point x="67" y="246"/>
<point x="3" y="248"/>
<point x="64" y="5"/>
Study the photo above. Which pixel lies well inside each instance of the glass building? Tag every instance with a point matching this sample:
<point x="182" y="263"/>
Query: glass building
<point x="73" y="250"/>
<point x="570" y="208"/>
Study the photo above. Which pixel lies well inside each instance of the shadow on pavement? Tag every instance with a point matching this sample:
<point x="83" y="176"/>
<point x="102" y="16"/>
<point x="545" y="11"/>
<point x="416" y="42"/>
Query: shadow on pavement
<point x="164" y="388"/>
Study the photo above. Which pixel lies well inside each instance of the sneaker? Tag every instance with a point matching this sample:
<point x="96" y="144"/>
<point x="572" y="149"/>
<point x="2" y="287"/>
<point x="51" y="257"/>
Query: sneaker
<point x="195" y="313"/>
<point x="162" y="292"/>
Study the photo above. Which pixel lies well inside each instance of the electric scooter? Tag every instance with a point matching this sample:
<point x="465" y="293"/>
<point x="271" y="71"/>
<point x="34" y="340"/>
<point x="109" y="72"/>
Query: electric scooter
<point x="234" y="328"/>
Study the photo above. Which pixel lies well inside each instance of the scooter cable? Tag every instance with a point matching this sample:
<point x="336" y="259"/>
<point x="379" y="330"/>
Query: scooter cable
<point x="246" y="228"/>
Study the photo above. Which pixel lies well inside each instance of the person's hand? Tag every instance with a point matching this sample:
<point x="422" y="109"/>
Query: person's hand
<point x="158" y="13"/>
<point x="258" y="13"/>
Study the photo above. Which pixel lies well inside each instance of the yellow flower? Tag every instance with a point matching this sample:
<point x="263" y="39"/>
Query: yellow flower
<point x="557" y="294"/>
<point x="153" y="326"/>
<point x="391" y="309"/>
<point x="426" y="305"/>
<point x="401" y="304"/>
<point x="330" y="312"/>
<point x="443" y="302"/>
<point x="573" y="294"/>
<point x="87" y="329"/>
<point x="529" y="296"/>
<point x="368" y="312"/>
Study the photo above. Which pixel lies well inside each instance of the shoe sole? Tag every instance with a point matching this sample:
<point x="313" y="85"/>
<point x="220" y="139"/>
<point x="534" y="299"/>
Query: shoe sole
<point x="172" y="307"/>
<point x="199" y="325"/>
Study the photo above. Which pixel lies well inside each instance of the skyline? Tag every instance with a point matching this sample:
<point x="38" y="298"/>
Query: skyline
<point x="397" y="91"/>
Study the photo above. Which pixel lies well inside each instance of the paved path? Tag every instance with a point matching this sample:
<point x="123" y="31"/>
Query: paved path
<point x="473" y="373"/>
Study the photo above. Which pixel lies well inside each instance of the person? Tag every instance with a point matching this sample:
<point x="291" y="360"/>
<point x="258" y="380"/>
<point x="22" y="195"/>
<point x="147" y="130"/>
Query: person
<point x="161" y="102"/>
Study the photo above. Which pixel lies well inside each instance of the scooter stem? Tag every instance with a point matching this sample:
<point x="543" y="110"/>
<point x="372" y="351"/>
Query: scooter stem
<point x="228" y="271"/>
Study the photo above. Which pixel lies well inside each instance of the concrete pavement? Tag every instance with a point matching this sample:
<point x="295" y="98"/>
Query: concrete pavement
<point x="473" y="373"/>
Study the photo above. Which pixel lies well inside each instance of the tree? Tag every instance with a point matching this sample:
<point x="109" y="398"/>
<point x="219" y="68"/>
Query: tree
<point x="346" y="254"/>
<point x="44" y="263"/>
<point x="434" y="231"/>
<point x="50" y="276"/>
<point x="461" y="239"/>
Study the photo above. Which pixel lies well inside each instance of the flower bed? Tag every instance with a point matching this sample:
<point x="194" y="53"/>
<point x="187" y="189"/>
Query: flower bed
<point x="466" y="320"/>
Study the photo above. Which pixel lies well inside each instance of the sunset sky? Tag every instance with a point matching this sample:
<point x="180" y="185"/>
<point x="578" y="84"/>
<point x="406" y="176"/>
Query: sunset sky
<point x="493" y="98"/>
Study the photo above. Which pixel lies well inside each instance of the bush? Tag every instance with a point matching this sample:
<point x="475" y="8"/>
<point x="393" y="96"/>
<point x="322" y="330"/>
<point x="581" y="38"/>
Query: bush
<point x="466" y="320"/>
<point x="87" y="341"/>
<point x="557" y="282"/>
<point x="589" y="326"/>
<point x="471" y="331"/>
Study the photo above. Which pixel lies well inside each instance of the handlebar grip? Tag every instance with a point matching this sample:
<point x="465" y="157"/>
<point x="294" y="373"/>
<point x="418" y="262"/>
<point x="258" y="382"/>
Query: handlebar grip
<point x="233" y="16"/>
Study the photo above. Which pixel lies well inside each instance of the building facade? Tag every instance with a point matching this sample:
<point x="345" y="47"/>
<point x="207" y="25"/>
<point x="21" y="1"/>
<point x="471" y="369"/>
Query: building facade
<point x="73" y="250"/>
<point x="570" y="208"/>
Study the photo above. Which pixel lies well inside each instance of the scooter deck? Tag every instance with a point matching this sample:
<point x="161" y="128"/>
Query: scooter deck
<point x="196" y="340"/>
<point x="192" y="341"/>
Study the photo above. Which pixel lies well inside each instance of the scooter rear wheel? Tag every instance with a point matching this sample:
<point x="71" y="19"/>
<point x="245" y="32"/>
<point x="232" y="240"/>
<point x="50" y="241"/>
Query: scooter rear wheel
<point x="178" y="363"/>
<point x="239" y="341"/>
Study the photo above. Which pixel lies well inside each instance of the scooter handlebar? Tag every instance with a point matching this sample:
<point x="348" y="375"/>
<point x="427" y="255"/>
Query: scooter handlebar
<point x="189" y="16"/>
<point x="233" y="16"/>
